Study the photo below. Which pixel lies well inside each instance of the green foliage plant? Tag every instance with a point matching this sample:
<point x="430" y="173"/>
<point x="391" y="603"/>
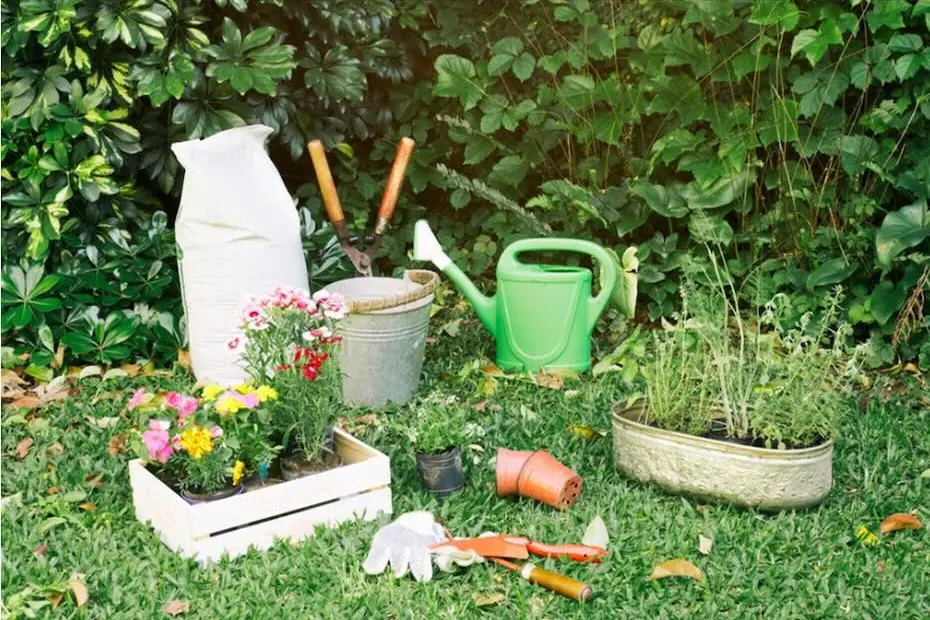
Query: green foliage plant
<point x="440" y="424"/>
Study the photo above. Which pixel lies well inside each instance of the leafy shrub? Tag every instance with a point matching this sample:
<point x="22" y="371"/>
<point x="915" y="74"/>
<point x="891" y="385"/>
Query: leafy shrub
<point x="782" y="131"/>
<point x="94" y="93"/>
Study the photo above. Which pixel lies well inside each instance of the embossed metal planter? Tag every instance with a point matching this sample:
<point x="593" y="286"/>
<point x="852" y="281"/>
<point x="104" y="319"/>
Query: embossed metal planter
<point x="721" y="471"/>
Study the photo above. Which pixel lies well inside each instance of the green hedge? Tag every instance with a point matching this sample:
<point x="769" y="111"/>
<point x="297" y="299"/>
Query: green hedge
<point x="792" y="134"/>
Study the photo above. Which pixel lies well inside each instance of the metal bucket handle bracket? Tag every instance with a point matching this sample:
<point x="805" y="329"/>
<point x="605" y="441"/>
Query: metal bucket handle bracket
<point x="428" y="281"/>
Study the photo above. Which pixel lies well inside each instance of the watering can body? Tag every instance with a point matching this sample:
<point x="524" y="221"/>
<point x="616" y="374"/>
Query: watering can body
<point x="542" y="315"/>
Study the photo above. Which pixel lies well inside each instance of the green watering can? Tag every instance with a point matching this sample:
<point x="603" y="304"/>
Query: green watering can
<point x="542" y="315"/>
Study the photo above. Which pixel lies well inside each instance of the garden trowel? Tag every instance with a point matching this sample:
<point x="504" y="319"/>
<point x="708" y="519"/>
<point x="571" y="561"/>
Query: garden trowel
<point x="360" y="259"/>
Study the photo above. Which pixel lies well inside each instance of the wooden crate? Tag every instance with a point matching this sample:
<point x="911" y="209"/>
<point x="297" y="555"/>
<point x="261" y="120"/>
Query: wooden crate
<point x="289" y="510"/>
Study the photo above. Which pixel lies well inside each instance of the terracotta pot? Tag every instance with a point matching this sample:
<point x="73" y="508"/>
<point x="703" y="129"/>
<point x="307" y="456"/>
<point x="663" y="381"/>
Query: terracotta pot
<point x="509" y="464"/>
<point x="545" y="479"/>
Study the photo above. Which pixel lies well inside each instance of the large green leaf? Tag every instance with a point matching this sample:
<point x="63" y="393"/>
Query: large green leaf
<point x="510" y="170"/>
<point x="886" y="300"/>
<point x="456" y="77"/>
<point x="900" y="230"/>
<point x="856" y="152"/>
<point x="782" y="13"/>
<point x="832" y="271"/>
<point x="660" y="199"/>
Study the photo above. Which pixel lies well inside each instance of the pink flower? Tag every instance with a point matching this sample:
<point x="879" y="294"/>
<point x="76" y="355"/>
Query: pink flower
<point x="216" y="431"/>
<point x="259" y="325"/>
<point x="176" y="442"/>
<point x="157" y="442"/>
<point x="320" y="332"/>
<point x="250" y="400"/>
<point x="184" y="405"/>
<point x="233" y="344"/>
<point x="138" y="399"/>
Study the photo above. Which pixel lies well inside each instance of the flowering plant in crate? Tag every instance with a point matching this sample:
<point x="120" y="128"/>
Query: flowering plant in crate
<point x="204" y="446"/>
<point x="288" y="340"/>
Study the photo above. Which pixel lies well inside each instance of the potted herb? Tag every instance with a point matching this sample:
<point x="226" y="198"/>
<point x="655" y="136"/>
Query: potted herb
<point x="737" y="409"/>
<point x="288" y="342"/>
<point x="437" y="434"/>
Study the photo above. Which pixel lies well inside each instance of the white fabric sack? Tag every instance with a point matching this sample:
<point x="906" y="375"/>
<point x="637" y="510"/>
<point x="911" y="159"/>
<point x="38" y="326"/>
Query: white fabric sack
<point x="238" y="234"/>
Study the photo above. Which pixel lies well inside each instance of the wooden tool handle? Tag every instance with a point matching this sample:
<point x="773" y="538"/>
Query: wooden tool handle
<point x="325" y="179"/>
<point x="394" y="182"/>
<point x="566" y="586"/>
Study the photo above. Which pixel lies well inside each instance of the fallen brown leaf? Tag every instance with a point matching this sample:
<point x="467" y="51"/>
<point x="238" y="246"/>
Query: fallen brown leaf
<point x="56" y="389"/>
<point x="880" y="567"/>
<point x="88" y="507"/>
<point x="23" y="447"/>
<point x="55" y="600"/>
<point x="175" y="607"/>
<point x="488" y="385"/>
<point x="184" y="358"/>
<point x="96" y="479"/>
<point x="491" y="370"/>
<point x="26" y="402"/>
<point x="132" y="370"/>
<point x="549" y="380"/>
<point x="677" y="568"/>
<point x="81" y="595"/>
<point x="54" y="490"/>
<point x="117" y="444"/>
<point x="480" y="406"/>
<point x="56" y="449"/>
<point x="491" y="598"/>
<point x="40" y="550"/>
<point x="10" y="378"/>
<point x="899" y="521"/>
<point x="705" y="545"/>
<point x="703" y="507"/>
<point x="104" y="422"/>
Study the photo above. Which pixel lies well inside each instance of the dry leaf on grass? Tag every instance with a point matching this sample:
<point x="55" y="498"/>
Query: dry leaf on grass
<point x="549" y="380"/>
<point x="488" y="385"/>
<point x="596" y="533"/>
<point x="899" y="521"/>
<point x="56" y="449"/>
<point x="40" y="550"/>
<point x="175" y="607"/>
<point x="677" y="568"/>
<point x="96" y="479"/>
<point x="491" y="370"/>
<point x="585" y="432"/>
<point x="23" y="447"/>
<point x="132" y="370"/>
<point x="117" y="444"/>
<point x="55" y="600"/>
<point x="705" y="545"/>
<point x="88" y="507"/>
<point x="81" y="595"/>
<point x="480" y="406"/>
<point x="491" y="598"/>
<point x="26" y="402"/>
<point x="104" y="422"/>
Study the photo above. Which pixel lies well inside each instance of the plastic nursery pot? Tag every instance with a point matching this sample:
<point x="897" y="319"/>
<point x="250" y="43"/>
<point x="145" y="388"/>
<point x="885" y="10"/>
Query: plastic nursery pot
<point x="442" y="472"/>
<point x="198" y="498"/>
<point x="538" y="476"/>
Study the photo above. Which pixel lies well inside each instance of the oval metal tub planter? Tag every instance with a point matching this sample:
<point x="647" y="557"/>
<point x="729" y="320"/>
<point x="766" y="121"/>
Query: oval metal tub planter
<point x="717" y="470"/>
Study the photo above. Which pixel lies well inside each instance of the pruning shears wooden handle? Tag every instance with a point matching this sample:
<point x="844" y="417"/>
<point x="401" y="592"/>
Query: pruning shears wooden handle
<point x="394" y="182"/>
<point x="327" y="186"/>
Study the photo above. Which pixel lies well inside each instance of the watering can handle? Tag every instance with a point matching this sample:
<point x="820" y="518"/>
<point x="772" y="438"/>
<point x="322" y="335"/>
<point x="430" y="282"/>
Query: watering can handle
<point x="608" y="266"/>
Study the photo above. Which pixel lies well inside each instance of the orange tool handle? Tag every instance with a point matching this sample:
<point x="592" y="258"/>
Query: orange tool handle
<point x="566" y="586"/>
<point x="395" y="179"/>
<point x="577" y="553"/>
<point x="325" y="179"/>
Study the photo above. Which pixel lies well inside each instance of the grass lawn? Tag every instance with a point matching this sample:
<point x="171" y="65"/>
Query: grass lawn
<point x="790" y="565"/>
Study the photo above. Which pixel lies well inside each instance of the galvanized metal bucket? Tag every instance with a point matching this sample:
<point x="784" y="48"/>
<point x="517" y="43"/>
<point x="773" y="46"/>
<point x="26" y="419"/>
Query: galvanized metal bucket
<point x="384" y="336"/>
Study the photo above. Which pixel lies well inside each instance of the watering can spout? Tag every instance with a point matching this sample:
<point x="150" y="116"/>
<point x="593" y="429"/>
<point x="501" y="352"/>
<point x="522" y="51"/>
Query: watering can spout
<point x="426" y="248"/>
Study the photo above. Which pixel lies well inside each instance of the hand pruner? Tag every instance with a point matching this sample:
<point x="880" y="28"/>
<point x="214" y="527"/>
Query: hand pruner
<point x="361" y="259"/>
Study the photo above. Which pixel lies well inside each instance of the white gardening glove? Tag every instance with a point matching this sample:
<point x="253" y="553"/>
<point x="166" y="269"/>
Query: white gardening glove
<point x="404" y="544"/>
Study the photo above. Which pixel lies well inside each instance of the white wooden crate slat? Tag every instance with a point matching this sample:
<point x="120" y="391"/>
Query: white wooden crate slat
<point x="358" y="489"/>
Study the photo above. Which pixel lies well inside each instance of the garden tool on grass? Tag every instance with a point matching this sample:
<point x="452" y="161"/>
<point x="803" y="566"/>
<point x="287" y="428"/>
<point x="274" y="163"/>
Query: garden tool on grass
<point x="497" y="547"/>
<point x="360" y="259"/>
<point x="542" y="315"/>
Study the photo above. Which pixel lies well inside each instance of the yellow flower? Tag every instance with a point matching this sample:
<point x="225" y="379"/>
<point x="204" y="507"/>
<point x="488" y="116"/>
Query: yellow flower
<point x="245" y="388"/>
<point x="266" y="392"/>
<point x="197" y="441"/>
<point x="227" y="404"/>
<point x="237" y="472"/>
<point x="210" y="392"/>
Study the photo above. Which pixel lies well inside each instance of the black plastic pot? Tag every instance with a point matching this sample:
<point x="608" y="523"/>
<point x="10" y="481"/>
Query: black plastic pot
<point x="198" y="498"/>
<point x="442" y="472"/>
